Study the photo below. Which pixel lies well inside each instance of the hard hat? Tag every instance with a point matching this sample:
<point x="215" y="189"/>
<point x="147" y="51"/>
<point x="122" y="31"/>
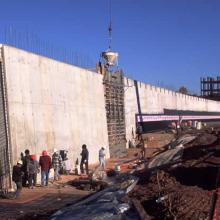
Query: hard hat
<point x="20" y="162"/>
<point x="33" y="157"/>
<point x="44" y="153"/>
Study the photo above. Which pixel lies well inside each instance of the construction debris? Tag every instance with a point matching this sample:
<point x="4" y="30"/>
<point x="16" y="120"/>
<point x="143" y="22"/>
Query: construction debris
<point x="89" y="185"/>
<point x="106" y="204"/>
<point x="177" y="183"/>
<point x="140" y="209"/>
<point x="167" y="157"/>
<point x="181" y="190"/>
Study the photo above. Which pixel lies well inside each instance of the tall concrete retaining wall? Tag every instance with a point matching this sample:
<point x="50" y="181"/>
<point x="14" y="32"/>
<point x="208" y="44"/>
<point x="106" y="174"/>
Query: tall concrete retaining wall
<point x="155" y="100"/>
<point x="53" y="105"/>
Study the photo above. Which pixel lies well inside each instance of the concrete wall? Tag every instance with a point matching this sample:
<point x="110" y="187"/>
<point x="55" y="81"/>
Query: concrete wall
<point x="154" y="100"/>
<point x="56" y="105"/>
<point x="53" y="105"/>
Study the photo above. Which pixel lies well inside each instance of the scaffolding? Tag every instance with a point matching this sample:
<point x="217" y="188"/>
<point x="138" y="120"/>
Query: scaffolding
<point x="114" y="104"/>
<point x="210" y="88"/>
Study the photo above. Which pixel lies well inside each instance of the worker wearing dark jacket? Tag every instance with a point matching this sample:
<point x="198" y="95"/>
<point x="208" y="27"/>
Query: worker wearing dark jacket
<point x="84" y="159"/>
<point x="33" y="168"/>
<point x="45" y="164"/>
<point x="17" y="177"/>
<point x="25" y="159"/>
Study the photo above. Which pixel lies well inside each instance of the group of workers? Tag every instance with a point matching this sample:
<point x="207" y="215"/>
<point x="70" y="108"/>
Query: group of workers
<point x="85" y="157"/>
<point x="26" y="170"/>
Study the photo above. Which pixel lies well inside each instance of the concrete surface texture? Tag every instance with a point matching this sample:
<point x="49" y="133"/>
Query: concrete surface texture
<point x="155" y="99"/>
<point x="53" y="105"/>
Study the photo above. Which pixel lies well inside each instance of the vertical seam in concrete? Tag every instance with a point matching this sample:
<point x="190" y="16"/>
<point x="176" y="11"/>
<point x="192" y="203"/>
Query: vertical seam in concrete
<point x="6" y="114"/>
<point x="138" y="100"/>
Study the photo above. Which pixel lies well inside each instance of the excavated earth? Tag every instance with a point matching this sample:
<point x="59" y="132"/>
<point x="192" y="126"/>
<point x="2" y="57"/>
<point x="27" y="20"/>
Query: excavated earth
<point x="183" y="190"/>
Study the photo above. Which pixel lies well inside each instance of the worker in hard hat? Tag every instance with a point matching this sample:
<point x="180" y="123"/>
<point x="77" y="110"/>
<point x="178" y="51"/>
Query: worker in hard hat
<point x="17" y="177"/>
<point x="33" y="169"/>
<point x="45" y="165"/>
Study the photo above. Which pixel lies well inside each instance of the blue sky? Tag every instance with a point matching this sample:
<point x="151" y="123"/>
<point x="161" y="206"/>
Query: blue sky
<point x="162" y="42"/>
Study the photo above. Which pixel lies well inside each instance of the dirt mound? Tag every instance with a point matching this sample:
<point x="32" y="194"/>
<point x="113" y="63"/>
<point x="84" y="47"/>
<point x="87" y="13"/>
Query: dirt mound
<point x="163" y="197"/>
<point x="181" y="190"/>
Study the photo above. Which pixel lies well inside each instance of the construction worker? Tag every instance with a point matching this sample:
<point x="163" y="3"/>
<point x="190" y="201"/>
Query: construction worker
<point x="33" y="169"/>
<point x="84" y="159"/>
<point x="179" y="125"/>
<point x="102" y="158"/>
<point x="142" y="145"/>
<point x="17" y="177"/>
<point x="139" y="131"/>
<point x="56" y="164"/>
<point x="67" y="165"/>
<point x="45" y="164"/>
<point x="25" y="160"/>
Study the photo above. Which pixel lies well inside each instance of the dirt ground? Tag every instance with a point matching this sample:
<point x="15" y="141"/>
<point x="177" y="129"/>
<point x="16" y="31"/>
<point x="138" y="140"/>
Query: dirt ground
<point x="41" y="202"/>
<point x="184" y="191"/>
<point x="156" y="141"/>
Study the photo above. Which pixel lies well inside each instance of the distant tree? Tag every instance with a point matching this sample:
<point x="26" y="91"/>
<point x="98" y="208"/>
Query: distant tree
<point x="183" y="90"/>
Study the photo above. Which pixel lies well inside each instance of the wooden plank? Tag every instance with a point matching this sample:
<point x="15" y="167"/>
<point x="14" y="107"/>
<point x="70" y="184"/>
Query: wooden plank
<point x="140" y="210"/>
